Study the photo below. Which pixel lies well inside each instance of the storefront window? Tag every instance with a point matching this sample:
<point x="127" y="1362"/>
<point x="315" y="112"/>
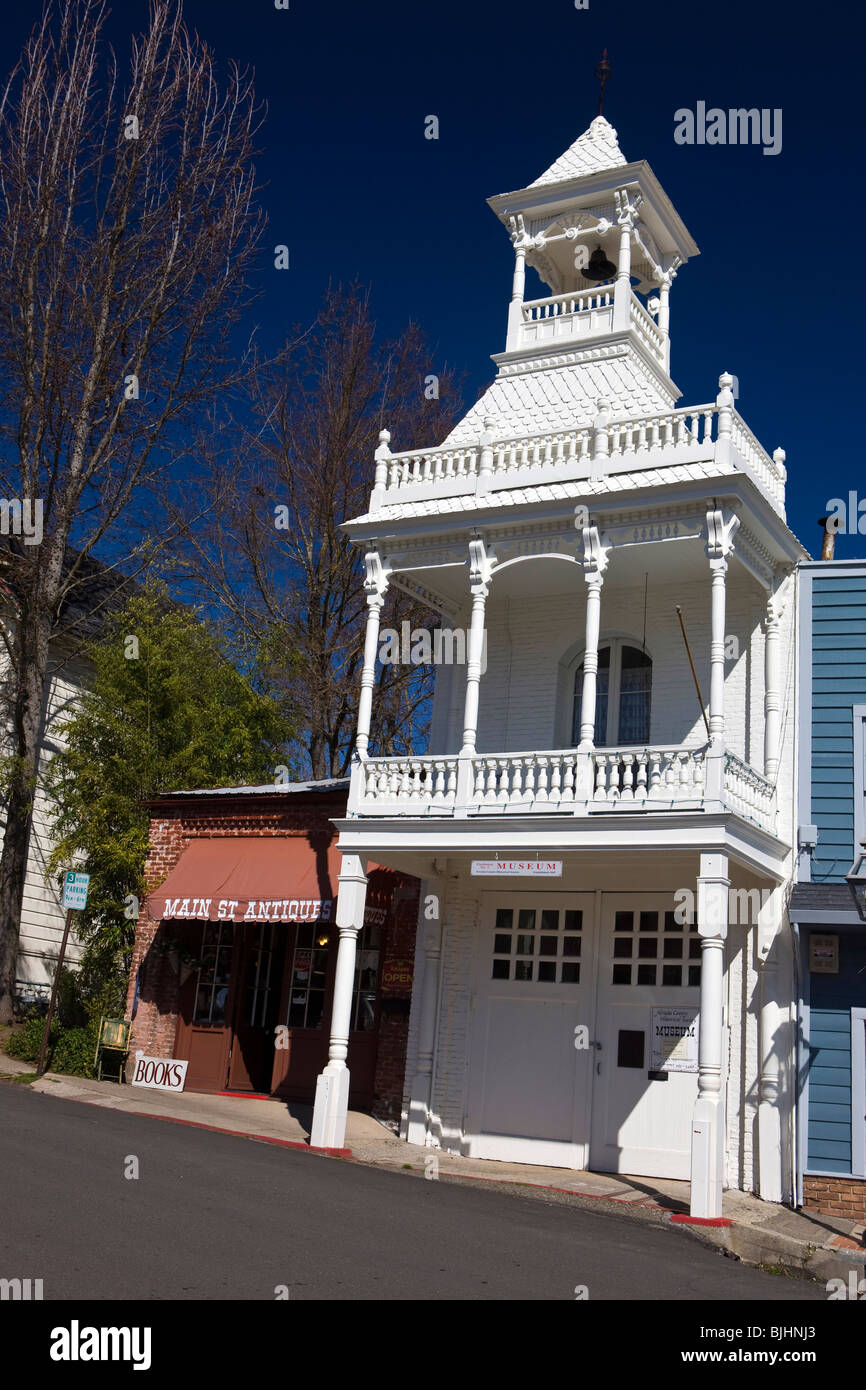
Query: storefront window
<point x="212" y="990"/>
<point x="309" y="973"/>
<point x="366" y="979"/>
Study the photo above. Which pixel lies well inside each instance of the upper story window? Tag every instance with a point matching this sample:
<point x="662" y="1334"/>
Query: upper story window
<point x="623" y="695"/>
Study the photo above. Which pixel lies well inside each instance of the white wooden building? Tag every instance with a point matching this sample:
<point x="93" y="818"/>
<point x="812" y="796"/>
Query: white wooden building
<point x="568" y="516"/>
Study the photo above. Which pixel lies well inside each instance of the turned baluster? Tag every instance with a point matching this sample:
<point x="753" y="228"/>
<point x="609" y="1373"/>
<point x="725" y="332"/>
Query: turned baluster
<point x="452" y="781"/>
<point x="685" y="774"/>
<point x="555" y="779"/>
<point x="640" y="789"/>
<point x="542" y="793"/>
<point x="568" y="779"/>
<point x="478" y="793"/>
<point x="438" y="779"/>
<point x="600" y="761"/>
<point x="529" y="782"/>
<point x="491" y="780"/>
<point x="517" y="780"/>
<point x="655" y="776"/>
<point x="504" y="795"/>
<point x="627" y="791"/>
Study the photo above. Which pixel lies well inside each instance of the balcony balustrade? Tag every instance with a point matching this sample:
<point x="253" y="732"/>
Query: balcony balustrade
<point x="691" y="434"/>
<point x="605" y="780"/>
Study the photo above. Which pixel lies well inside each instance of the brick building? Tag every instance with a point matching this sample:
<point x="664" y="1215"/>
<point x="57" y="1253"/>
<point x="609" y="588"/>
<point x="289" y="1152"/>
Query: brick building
<point x="233" y="962"/>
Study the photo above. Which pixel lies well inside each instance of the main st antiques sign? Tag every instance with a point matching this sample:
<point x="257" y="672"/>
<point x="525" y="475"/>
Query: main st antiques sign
<point x="257" y="910"/>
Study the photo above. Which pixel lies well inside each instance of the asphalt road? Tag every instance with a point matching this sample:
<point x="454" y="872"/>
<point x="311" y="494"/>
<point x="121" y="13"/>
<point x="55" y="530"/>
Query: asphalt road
<point x="215" y="1217"/>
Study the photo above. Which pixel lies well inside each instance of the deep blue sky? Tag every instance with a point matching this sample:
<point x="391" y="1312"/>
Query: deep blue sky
<point x="354" y="189"/>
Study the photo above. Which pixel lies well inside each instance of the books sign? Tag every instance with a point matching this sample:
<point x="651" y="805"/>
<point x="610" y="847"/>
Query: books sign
<point x="517" y="868"/>
<point x="159" y="1073"/>
<point x="75" y="888"/>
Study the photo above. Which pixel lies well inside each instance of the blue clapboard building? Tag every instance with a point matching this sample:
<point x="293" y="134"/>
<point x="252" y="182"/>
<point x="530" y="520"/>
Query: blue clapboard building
<point x="831" y="936"/>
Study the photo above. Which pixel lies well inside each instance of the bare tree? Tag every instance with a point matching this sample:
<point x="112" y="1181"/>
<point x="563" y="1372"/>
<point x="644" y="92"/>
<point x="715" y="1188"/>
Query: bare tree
<point x="128" y="220"/>
<point x="274" y="559"/>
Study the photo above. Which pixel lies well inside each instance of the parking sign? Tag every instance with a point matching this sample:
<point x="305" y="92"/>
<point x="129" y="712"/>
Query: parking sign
<point x="75" y="891"/>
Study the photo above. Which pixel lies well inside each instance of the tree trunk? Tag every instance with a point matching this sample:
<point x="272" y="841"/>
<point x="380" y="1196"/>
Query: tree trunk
<point x="30" y="651"/>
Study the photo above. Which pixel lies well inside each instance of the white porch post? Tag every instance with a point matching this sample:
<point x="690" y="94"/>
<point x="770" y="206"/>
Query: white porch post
<point x="375" y="587"/>
<point x="480" y="574"/>
<point x="626" y="210"/>
<point x="721" y="529"/>
<point x="708" y="1123"/>
<point x="521" y="244"/>
<point x="772" y="686"/>
<point x="664" y="319"/>
<point x="773" y="1047"/>
<point x="420" y="1090"/>
<point x="595" y="560"/>
<point x="332" y="1087"/>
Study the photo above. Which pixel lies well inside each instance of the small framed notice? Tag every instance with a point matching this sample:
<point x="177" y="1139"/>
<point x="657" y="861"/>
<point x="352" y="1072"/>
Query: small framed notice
<point x="823" y="954"/>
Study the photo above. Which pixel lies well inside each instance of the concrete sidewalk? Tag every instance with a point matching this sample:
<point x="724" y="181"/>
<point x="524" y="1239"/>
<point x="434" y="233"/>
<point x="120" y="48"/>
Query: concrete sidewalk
<point x="759" y="1233"/>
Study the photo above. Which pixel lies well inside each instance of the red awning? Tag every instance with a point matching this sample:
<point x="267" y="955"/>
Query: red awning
<point x="249" y="879"/>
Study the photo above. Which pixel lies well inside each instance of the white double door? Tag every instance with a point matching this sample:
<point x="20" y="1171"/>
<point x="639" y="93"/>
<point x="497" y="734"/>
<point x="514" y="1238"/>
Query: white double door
<point x="568" y="989"/>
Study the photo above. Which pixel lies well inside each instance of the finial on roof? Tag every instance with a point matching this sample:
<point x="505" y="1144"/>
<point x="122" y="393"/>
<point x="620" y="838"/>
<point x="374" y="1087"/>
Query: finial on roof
<point x="602" y="72"/>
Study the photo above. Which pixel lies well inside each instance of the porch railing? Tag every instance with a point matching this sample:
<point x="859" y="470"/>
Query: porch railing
<point x="562" y="780"/>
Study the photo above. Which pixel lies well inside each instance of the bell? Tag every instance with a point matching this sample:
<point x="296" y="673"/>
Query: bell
<point x="599" y="268"/>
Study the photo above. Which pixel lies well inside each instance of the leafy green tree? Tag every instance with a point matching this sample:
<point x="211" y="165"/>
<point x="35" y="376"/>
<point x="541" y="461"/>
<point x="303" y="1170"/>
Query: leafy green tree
<point x="165" y="711"/>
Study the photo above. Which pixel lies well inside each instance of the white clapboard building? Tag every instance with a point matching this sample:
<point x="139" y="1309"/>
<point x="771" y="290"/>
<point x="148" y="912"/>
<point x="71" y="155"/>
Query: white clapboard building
<point x="92" y="595"/>
<point x="578" y="799"/>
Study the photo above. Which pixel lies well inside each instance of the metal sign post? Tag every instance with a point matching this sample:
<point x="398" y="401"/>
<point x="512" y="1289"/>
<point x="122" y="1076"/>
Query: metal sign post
<point x="74" y="899"/>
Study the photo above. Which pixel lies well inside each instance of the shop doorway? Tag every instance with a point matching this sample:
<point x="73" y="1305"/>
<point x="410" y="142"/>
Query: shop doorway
<point x="258" y="973"/>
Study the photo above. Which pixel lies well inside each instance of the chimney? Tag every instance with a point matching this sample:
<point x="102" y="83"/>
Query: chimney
<point x="828" y="545"/>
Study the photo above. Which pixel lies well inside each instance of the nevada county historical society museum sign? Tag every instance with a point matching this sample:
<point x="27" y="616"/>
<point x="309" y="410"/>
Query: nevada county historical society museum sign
<point x="517" y="868"/>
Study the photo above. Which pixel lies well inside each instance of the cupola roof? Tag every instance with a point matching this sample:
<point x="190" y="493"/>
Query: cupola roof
<point x="596" y="149"/>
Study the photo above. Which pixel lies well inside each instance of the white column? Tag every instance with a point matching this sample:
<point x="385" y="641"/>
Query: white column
<point x="522" y="243"/>
<point x="708" y="1122"/>
<point x="375" y="586"/>
<point x="775" y="1046"/>
<point x="721" y="528"/>
<point x="772" y="686"/>
<point x="480" y="568"/>
<point x="518" y="284"/>
<point x="420" y="1089"/>
<point x="332" y="1087"/>
<point x="595" y="560"/>
<point x="622" y="288"/>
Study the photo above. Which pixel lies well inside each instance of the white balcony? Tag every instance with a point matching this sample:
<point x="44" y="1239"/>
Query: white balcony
<point x="609" y="446"/>
<point x="563" y="782"/>
<point x="568" y="318"/>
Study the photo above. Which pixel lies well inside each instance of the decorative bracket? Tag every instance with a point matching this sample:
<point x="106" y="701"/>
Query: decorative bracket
<point x="722" y="526"/>
<point x="481" y="565"/>
<point x="376" y="577"/>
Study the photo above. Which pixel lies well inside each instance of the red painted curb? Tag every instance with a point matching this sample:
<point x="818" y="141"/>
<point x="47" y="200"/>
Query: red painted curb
<point x="702" y="1220"/>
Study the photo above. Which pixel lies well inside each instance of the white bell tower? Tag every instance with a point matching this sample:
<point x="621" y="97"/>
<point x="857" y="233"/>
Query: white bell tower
<point x="607" y="242"/>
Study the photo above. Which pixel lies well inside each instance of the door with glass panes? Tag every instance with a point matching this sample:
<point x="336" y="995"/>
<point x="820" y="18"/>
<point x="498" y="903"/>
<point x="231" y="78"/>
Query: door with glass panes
<point x="529" y="1074"/>
<point x="649" y="974"/>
